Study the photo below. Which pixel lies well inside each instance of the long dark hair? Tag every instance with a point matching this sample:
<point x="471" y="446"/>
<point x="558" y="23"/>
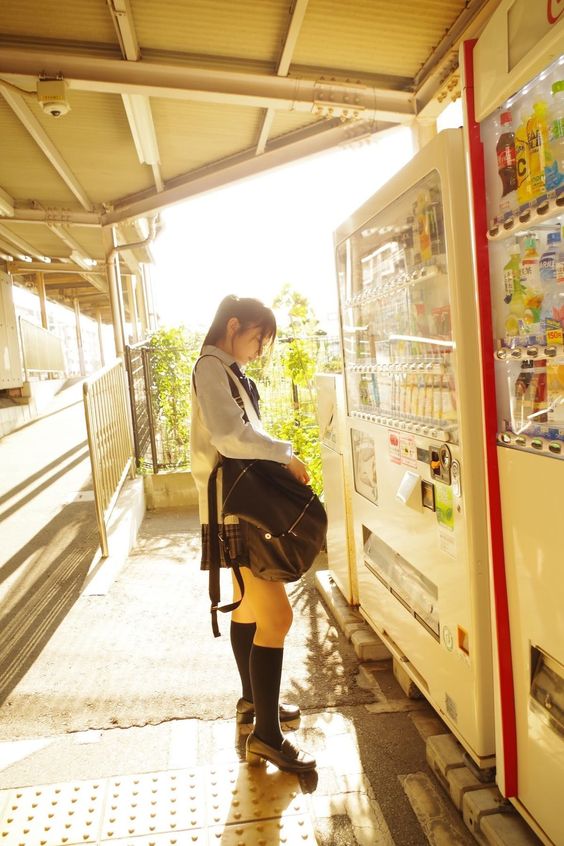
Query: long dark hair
<point x="249" y="312"/>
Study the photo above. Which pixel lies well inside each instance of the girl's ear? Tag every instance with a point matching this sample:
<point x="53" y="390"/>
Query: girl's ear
<point x="233" y="326"/>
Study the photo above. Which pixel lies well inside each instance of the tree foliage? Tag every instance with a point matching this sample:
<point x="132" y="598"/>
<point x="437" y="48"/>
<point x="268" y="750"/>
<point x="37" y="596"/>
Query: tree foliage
<point x="289" y="402"/>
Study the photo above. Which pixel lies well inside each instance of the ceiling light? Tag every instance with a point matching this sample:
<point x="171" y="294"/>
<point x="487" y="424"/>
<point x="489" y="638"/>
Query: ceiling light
<point x="6" y="204"/>
<point x="138" y="110"/>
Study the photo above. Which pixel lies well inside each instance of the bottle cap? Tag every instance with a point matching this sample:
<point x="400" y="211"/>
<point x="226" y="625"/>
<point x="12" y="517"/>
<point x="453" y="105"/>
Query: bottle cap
<point x="505" y="118"/>
<point x="558" y="86"/>
<point x="530" y="242"/>
<point x="553" y="237"/>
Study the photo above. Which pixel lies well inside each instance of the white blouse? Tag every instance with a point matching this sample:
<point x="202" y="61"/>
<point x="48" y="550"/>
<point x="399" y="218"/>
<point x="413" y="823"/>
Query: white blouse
<point x="218" y="425"/>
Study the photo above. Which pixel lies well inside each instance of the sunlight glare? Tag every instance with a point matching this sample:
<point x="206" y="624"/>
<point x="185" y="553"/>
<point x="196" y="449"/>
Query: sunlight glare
<point x="251" y="237"/>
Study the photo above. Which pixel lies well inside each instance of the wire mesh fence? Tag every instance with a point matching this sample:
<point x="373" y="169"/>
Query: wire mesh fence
<point x="159" y="379"/>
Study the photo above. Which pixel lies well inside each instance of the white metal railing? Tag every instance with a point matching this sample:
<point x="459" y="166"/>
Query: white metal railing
<point x="110" y="439"/>
<point x="42" y="350"/>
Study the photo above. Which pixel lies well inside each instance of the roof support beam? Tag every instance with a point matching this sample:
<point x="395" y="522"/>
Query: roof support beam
<point x="6" y="204"/>
<point x="325" y="136"/>
<point x="177" y="81"/>
<point x="62" y="232"/>
<point x="51" y="215"/>
<point x="22" y="110"/>
<point x="138" y="113"/>
<point x="22" y="245"/>
<point x="122" y="18"/>
<point x="296" y="20"/>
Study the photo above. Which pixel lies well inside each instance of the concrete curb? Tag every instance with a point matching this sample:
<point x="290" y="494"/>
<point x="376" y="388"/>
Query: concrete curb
<point x="490" y="818"/>
<point x="367" y="645"/>
<point x="125" y="522"/>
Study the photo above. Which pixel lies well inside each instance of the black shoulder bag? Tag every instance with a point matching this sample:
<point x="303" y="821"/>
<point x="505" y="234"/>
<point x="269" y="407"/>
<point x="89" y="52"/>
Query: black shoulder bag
<point x="282" y="520"/>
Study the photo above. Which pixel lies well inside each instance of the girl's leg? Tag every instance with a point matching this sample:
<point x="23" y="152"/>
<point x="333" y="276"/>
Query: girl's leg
<point x="242" y="633"/>
<point x="269" y="604"/>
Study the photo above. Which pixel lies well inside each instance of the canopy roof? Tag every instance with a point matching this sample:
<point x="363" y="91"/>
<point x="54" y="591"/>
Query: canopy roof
<point x="169" y="99"/>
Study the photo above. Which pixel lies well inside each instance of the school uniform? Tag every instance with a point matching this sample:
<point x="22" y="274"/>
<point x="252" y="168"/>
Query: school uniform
<point x="218" y="427"/>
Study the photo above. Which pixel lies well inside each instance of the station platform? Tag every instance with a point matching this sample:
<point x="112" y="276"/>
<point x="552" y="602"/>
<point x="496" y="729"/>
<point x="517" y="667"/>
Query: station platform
<point x="118" y="727"/>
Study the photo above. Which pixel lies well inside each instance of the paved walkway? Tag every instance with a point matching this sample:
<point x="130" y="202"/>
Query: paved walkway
<point x="76" y="768"/>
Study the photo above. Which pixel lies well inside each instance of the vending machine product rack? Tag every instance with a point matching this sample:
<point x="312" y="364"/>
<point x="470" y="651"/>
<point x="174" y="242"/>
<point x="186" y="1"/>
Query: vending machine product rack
<point x="516" y="66"/>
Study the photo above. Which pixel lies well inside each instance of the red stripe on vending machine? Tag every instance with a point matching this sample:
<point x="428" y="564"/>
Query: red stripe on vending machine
<point x="501" y="610"/>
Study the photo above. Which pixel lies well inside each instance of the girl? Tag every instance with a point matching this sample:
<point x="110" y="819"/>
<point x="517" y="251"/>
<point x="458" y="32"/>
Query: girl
<point x="240" y="332"/>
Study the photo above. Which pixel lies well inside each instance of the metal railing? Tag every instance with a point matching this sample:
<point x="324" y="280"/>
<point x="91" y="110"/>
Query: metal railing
<point x="138" y="364"/>
<point x="42" y="350"/>
<point x="108" y="424"/>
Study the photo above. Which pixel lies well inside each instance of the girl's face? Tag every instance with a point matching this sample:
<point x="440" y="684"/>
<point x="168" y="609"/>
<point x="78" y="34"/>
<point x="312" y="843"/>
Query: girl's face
<point x="247" y="345"/>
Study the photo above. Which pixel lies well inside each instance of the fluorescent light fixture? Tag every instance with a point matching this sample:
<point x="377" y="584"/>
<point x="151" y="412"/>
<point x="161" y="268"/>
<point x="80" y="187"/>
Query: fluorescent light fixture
<point x="6" y="204"/>
<point x="138" y="110"/>
<point x="6" y="257"/>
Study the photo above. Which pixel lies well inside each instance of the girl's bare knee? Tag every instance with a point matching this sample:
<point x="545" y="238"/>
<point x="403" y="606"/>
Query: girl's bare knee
<point x="276" y="624"/>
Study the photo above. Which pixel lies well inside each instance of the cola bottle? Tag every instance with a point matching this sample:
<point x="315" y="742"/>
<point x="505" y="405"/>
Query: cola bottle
<point x="505" y="149"/>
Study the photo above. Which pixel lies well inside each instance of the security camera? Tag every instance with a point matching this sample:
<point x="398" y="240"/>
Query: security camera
<point x="55" y="108"/>
<point x="51" y="96"/>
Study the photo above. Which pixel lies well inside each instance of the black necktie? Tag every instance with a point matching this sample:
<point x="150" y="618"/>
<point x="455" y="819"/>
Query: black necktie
<point x="249" y="387"/>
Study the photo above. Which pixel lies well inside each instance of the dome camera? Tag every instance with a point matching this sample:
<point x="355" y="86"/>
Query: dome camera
<point x="55" y="108"/>
<point x="52" y="97"/>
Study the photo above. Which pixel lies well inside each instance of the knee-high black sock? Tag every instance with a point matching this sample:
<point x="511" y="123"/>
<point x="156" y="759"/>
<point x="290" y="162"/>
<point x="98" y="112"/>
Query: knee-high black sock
<point x="266" y="672"/>
<point x="242" y="635"/>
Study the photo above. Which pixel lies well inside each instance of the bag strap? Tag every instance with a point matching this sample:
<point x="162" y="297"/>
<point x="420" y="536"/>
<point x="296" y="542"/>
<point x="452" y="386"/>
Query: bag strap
<point x="231" y="378"/>
<point x="214" y="587"/>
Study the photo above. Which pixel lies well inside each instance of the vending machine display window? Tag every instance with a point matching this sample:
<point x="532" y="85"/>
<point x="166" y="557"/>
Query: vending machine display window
<point x="396" y="316"/>
<point x="523" y="141"/>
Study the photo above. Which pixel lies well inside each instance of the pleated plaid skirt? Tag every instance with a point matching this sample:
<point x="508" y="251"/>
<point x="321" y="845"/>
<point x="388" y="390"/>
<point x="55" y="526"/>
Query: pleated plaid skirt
<point x="236" y="544"/>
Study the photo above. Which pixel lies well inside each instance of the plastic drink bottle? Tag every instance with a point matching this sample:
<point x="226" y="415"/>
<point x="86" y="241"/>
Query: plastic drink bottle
<point x="539" y="151"/>
<point x="506" y="165"/>
<point x="514" y="295"/>
<point x="555" y="172"/>
<point x="530" y="281"/>
<point x="552" y="313"/>
<point x="547" y="263"/>
<point x="423" y="228"/>
<point x="524" y="195"/>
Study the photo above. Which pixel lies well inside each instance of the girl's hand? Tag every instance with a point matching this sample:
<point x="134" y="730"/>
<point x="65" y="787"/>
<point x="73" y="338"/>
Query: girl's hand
<point x="298" y="469"/>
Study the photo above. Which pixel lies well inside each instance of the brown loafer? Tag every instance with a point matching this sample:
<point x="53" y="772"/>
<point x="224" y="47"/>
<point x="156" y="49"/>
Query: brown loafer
<point x="288" y="758"/>
<point x="246" y="712"/>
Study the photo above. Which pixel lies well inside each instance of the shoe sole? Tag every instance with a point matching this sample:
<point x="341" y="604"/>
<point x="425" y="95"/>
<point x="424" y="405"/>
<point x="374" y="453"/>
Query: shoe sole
<point x="246" y="719"/>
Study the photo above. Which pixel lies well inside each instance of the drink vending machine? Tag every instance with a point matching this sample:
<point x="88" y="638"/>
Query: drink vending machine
<point x="414" y="434"/>
<point x="514" y="92"/>
<point x="336" y="477"/>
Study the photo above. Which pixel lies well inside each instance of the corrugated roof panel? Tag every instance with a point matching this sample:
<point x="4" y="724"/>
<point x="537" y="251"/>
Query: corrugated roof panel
<point x="25" y="171"/>
<point x="247" y="29"/>
<point x="90" y="239"/>
<point x="88" y="20"/>
<point x="191" y="135"/>
<point x="40" y="236"/>
<point x="95" y="141"/>
<point x="285" y="122"/>
<point x="384" y="37"/>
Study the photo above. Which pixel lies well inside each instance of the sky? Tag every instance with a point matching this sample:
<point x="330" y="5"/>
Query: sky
<point x="252" y="237"/>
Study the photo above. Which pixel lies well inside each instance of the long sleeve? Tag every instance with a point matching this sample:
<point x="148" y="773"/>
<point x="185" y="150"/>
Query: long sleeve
<point x="222" y="417"/>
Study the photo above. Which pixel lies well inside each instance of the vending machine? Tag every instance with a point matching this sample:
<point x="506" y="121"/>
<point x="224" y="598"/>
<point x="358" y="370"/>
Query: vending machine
<point x="514" y="92"/>
<point x="341" y="559"/>
<point x="409" y="330"/>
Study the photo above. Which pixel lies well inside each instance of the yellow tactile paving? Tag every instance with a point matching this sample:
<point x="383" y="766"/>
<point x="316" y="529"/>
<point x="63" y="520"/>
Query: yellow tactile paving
<point x="53" y="814"/>
<point x="235" y="805"/>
